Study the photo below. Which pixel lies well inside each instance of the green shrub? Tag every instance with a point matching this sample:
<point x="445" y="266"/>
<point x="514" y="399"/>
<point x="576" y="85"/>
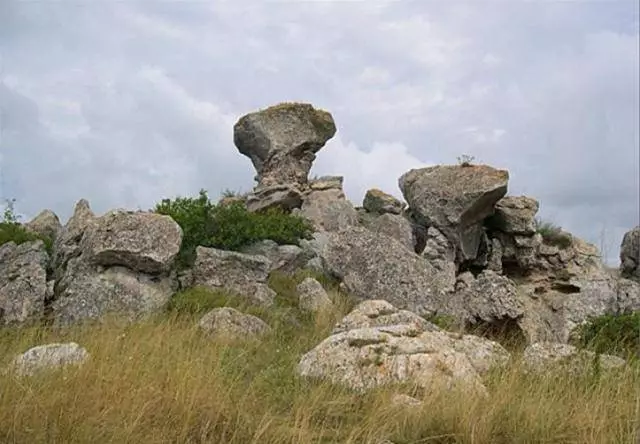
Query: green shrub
<point x="229" y="227"/>
<point x="553" y="235"/>
<point x="612" y="334"/>
<point x="12" y="231"/>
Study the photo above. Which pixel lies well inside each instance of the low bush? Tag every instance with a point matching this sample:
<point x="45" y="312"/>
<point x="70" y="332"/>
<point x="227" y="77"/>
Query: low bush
<point x="553" y="235"/>
<point x="612" y="334"/>
<point x="12" y="231"/>
<point x="230" y="226"/>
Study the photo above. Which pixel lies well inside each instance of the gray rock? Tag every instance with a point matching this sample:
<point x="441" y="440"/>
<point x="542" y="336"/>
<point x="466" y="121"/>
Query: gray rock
<point x="628" y="296"/>
<point x="496" y="252"/>
<point x="312" y="296"/>
<point x="329" y="210"/>
<point x="455" y="200"/>
<point x="395" y="226"/>
<point x="229" y="322"/>
<point x="285" y="197"/>
<point x="379" y="313"/>
<point x="240" y="273"/>
<point x="379" y="267"/>
<point x="141" y="241"/>
<point x="23" y="282"/>
<point x="377" y="201"/>
<point x="404" y="401"/>
<point x="67" y="244"/>
<point x="46" y="223"/>
<point x="282" y="141"/>
<point x="48" y="356"/>
<point x="326" y="183"/>
<point x="516" y="215"/>
<point x="284" y="258"/>
<point x="439" y="252"/>
<point x="630" y="254"/>
<point x="89" y="293"/>
<point x="542" y="356"/>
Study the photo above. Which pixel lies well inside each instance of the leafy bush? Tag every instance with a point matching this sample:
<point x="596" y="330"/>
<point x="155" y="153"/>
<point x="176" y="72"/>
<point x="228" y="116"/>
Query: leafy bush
<point x="612" y="334"/>
<point x="230" y="226"/>
<point x="553" y="235"/>
<point x="12" y="231"/>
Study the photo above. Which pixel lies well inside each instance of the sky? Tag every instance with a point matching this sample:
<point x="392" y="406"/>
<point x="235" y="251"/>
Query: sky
<point x="128" y="102"/>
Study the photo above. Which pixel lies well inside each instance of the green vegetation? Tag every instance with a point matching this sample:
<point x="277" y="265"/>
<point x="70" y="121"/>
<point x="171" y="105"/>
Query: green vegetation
<point x="612" y="334"/>
<point x="553" y="235"/>
<point x="12" y="231"/>
<point x="465" y="160"/>
<point x="229" y="226"/>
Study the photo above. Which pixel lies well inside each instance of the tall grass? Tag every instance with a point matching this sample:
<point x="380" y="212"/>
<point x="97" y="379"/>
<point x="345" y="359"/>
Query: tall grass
<point x="164" y="381"/>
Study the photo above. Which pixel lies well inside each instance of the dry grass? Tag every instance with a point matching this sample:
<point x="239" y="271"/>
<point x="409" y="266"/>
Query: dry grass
<point x="162" y="381"/>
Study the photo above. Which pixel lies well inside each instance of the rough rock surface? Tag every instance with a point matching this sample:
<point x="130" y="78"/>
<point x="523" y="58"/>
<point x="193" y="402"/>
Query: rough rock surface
<point x="46" y="223"/>
<point x="439" y="252"/>
<point x="231" y="323"/>
<point x="455" y="200"/>
<point x="329" y="210"/>
<point x="47" y="357"/>
<point x="142" y="241"/>
<point x="516" y="215"/>
<point x="326" y="183"/>
<point x="370" y="356"/>
<point x="89" y="293"/>
<point x="630" y="254"/>
<point x="285" y="197"/>
<point x="379" y="267"/>
<point x="377" y="201"/>
<point x="67" y="244"/>
<point x="543" y="355"/>
<point x="312" y="296"/>
<point x="23" y="282"/>
<point x="395" y="226"/>
<point x="240" y="273"/>
<point x="284" y="258"/>
<point x="282" y="141"/>
<point x="379" y="313"/>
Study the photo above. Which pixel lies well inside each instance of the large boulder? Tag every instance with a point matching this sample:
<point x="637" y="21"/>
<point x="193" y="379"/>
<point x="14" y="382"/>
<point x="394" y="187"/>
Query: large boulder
<point x="379" y="353"/>
<point x="286" y="259"/>
<point x="67" y="243"/>
<point x="630" y="254"/>
<point x="542" y="356"/>
<point x="395" y="226"/>
<point x="380" y="267"/>
<point x="243" y="274"/>
<point x="230" y="323"/>
<point x="377" y="201"/>
<point x="516" y="215"/>
<point x="285" y="197"/>
<point x="141" y="241"/>
<point x="312" y="296"/>
<point x="455" y="200"/>
<point x="23" y="282"/>
<point x="329" y="210"/>
<point x="282" y="141"/>
<point x="49" y="356"/>
<point x="46" y="223"/>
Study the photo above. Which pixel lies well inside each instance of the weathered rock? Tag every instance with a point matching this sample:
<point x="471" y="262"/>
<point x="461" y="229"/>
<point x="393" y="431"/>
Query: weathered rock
<point x="405" y="401"/>
<point x="379" y="313"/>
<point x="515" y="215"/>
<point x="628" y="296"/>
<point x="312" y="249"/>
<point x="496" y="252"/>
<point x="455" y="200"/>
<point x="23" y="282"/>
<point x="284" y="258"/>
<point x="48" y="356"/>
<point x="542" y="356"/>
<point x="395" y="226"/>
<point x="377" y="201"/>
<point x="630" y="254"/>
<point x="46" y="223"/>
<point x="312" y="296"/>
<point x="380" y="267"/>
<point x="89" y="293"/>
<point x="369" y="356"/>
<point x="285" y="197"/>
<point x="141" y="241"/>
<point x="282" y="141"/>
<point x="67" y="244"/>
<point x="240" y="273"/>
<point x="329" y="210"/>
<point x="439" y="252"/>
<point x="229" y="322"/>
<point x="326" y="183"/>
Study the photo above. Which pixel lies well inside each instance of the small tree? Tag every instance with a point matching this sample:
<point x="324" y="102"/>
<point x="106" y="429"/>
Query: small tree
<point x="465" y="160"/>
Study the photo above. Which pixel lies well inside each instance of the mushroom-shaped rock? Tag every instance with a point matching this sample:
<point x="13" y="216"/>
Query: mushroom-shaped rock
<point x="455" y="200"/>
<point x="282" y="141"/>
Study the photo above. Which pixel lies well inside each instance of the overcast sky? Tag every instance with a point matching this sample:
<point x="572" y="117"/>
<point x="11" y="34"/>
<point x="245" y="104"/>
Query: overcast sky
<point x="125" y="102"/>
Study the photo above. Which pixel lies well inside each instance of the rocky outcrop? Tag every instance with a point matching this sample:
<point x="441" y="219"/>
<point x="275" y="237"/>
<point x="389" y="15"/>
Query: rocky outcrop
<point x="230" y="323"/>
<point x="380" y="267"/>
<point x="286" y="197"/>
<point x="67" y="244"/>
<point x="286" y="259"/>
<point x="542" y="356"/>
<point x="48" y="356"/>
<point x="23" y="282"/>
<point x="382" y="353"/>
<point x="377" y="201"/>
<point x="45" y="224"/>
<point x="516" y="215"/>
<point x="312" y="296"/>
<point x="455" y="200"/>
<point x="243" y="274"/>
<point x="282" y="141"/>
<point x="329" y="210"/>
<point x="630" y="254"/>
<point x="392" y="225"/>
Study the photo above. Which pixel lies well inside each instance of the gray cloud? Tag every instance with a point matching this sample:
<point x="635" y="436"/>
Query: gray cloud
<point x="129" y="102"/>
